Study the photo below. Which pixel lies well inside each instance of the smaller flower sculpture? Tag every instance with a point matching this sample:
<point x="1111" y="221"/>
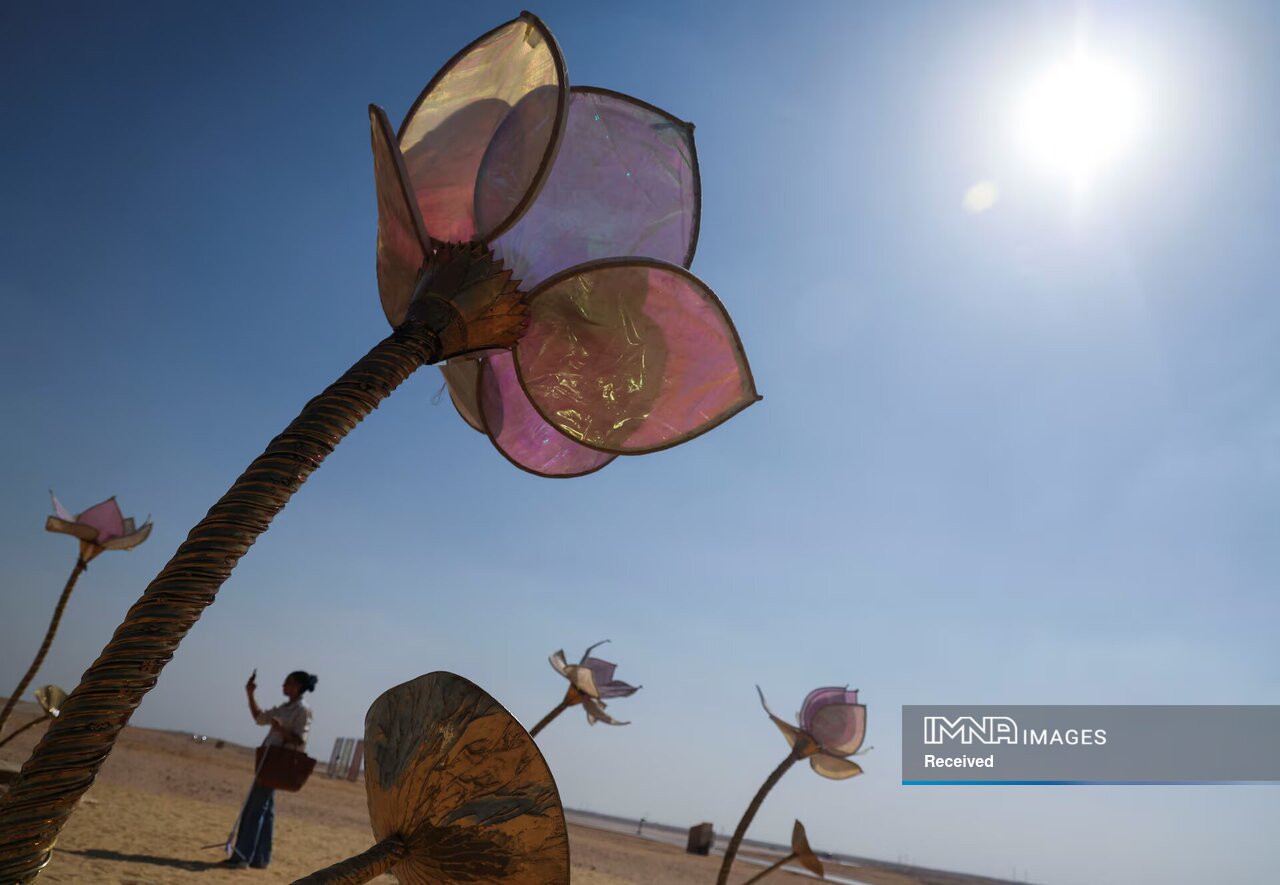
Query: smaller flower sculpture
<point x="832" y="725"/>
<point x="458" y="793"/>
<point x="800" y="851"/>
<point x="101" y="527"/>
<point x="50" y="698"/>
<point x="590" y="682"/>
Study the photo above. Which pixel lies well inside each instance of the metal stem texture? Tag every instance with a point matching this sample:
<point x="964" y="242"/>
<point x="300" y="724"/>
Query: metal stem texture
<point x="546" y="720"/>
<point x="81" y="564"/>
<point x="68" y="757"/>
<point x="731" y="852"/>
<point x="769" y="869"/>
<point x="364" y="867"/>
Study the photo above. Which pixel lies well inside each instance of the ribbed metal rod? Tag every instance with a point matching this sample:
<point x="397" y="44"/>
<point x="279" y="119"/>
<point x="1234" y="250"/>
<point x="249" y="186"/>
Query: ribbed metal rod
<point x="68" y="757"/>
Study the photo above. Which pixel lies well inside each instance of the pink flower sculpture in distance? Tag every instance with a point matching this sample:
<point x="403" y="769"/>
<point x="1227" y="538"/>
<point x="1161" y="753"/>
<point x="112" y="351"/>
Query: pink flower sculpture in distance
<point x="832" y="725"/>
<point x="101" y="527"/>
<point x="587" y="202"/>
<point x="590" y="682"/>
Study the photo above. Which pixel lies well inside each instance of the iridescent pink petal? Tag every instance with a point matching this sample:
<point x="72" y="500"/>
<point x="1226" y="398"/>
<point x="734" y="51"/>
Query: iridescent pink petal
<point x="520" y="433"/>
<point x="624" y="183"/>
<point x="402" y="239"/>
<point x="839" y="728"/>
<point x="820" y="697"/>
<point x="105" y="518"/>
<point x="631" y="356"/>
<point x="462" y="375"/>
<point x="833" y="767"/>
<point x="449" y="130"/>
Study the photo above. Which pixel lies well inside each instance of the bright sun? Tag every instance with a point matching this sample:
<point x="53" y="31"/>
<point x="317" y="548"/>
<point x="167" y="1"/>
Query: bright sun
<point x="1079" y="116"/>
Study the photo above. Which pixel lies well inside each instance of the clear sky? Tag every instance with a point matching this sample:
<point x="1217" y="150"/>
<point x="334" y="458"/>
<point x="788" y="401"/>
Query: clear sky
<point x="1024" y="455"/>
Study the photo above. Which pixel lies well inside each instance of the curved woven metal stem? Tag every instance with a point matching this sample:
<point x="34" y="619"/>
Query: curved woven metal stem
<point x="69" y="755"/>
<point x="556" y="711"/>
<point x="364" y="867"/>
<point x="732" y="851"/>
<point x="81" y="564"/>
<point x="21" y="728"/>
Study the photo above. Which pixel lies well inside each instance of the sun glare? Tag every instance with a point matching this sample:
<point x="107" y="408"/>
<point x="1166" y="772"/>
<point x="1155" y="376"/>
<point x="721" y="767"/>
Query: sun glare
<point x="1079" y="116"/>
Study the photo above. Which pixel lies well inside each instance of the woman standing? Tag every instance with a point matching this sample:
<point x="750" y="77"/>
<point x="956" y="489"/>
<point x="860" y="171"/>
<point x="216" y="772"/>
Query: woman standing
<point x="290" y="724"/>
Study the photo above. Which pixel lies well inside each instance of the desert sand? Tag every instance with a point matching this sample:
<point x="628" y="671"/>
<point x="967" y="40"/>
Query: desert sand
<point x="163" y="805"/>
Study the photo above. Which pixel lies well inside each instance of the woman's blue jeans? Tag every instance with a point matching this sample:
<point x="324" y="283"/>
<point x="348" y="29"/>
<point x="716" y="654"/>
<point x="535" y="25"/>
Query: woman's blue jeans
<point x="253" y="841"/>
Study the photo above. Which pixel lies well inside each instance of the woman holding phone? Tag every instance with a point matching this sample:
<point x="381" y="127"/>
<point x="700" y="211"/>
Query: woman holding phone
<point x="290" y="724"/>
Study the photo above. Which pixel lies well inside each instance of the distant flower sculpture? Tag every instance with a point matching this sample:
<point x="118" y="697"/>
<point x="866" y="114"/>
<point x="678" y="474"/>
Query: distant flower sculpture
<point x="832" y="726"/>
<point x="50" y="698"/>
<point x="458" y="793"/>
<point x="534" y="236"/>
<point x="800" y="851"/>
<point x="101" y="527"/>
<point x="590" y="682"/>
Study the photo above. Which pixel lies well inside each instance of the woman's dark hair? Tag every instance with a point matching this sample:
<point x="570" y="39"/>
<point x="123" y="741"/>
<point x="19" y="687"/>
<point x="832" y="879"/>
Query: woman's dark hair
<point x="306" y="680"/>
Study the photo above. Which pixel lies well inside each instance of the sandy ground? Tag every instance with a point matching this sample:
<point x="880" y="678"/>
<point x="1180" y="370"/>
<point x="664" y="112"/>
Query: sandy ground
<point x="163" y="804"/>
<point x="161" y="798"/>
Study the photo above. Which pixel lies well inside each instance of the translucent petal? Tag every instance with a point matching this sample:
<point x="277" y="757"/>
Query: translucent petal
<point x="499" y="103"/>
<point x="601" y="670"/>
<point x="839" y="728"/>
<point x="833" y="768"/>
<point x="130" y="540"/>
<point x="596" y="713"/>
<point x="59" y="510"/>
<point x="402" y="239"/>
<point x="50" y="698"/>
<point x="104" y="517"/>
<point x="462" y="375"/>
<point x="819" y="698"/>
<point x="583" y="680"/>
<point x="624" y="183"/>
<point x="79" y="530"/>
<point x="631" y="356"/>
<point x="558" y="664"/>
<point x="520" y="433"/>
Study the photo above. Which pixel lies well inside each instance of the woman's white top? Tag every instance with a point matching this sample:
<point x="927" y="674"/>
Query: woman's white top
<point x="295" y="716"/>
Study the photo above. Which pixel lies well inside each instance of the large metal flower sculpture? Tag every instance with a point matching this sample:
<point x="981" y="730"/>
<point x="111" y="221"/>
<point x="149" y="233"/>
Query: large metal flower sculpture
<point x="535" y="236"/>
<point x="590" y="682"/>
<point x="101" y="527"/>
<point x="832" y="725"/>
<point x="458" y="793"/>
<point x="582" y="204"/>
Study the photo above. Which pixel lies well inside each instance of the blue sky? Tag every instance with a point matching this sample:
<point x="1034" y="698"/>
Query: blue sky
<point x="1030" y="455"/>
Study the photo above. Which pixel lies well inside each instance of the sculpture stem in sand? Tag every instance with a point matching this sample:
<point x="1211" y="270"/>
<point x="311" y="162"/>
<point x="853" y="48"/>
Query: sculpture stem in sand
<point x="81" y="565"/>
<point x="364" y="867"/>
<point x="731" y="852"/>
<point x="68" y="757"/>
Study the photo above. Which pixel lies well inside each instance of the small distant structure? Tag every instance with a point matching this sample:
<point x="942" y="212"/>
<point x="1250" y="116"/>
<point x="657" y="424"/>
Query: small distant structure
<point x="700" y="838"/>
<point x="346" y="759"/>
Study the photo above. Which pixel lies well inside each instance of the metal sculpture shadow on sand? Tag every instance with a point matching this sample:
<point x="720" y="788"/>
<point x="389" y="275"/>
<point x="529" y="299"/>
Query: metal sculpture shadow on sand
<point x="590" y="682"/>
<point x="458" y="793"/>
<point x="832" y="725"/>
<point x="537" y="238"/>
